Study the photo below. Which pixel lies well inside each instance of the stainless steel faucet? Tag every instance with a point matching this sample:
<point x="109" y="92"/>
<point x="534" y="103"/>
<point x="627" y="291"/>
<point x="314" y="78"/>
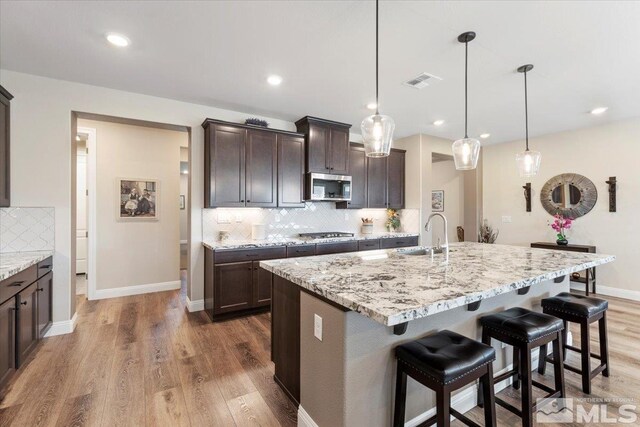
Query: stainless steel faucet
<point x="445" y="247"/>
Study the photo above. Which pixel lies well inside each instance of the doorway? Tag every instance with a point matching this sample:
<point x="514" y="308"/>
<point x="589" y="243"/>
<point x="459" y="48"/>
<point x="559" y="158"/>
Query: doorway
<point x="447" y="197"/>
<point x="84" y="138"/>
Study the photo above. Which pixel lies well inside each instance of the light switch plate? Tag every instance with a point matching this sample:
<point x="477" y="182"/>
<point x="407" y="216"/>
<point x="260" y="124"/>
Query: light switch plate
<point x="317" y="326"/>
<point x="506" y="219"/>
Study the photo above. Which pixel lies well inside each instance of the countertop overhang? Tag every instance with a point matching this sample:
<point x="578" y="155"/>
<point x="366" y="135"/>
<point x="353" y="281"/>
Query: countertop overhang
<point x="393" y="288"/>
<point x="14" y="262"/>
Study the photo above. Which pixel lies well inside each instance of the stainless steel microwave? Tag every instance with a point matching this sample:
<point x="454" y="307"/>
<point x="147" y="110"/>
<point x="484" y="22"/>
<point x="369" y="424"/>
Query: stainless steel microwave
<point x="328" y="187"/>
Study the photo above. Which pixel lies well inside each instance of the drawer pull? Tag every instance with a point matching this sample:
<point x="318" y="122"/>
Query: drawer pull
<point x="45" y="266"/>
<point x="17" y="283"/>
<point x="40" y="289"/>
<point x="23" y="303"/>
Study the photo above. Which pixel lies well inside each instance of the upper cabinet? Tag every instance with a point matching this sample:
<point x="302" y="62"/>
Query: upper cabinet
<point x="243" y="168"/>
<point x="377" y="182"/>
<point x="5" y="98"/>
<point x="327" y="145"/>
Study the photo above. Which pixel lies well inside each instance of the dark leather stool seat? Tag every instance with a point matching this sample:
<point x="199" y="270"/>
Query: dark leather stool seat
<point x="446" y="355"/>
<point x="522" y="324"/>
<point x="444" y="362"/>
<point x="578" y="305"/>
<point x="584" y="311"/>
<point x="525" y="330"/>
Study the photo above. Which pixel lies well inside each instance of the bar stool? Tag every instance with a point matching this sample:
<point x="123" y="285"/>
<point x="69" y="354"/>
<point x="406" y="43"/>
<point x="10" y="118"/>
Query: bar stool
<point x="584" y="311"/>
<point x="525" y="330"/>
<point x="444" y="362"/>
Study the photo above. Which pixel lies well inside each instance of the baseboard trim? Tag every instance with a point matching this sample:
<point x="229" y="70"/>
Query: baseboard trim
<point x="136" y="289"/>
<point x="304" y="419"/>
<point x="610" y="291"/>
<point x="62" y="327"/>
<point x="193" y="306"/>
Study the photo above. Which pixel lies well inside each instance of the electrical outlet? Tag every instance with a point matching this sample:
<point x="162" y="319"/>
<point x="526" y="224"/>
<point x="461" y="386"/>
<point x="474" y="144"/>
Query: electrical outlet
<point x="223" y="218"/>
<point x="317" y="326"/>
<point x="506" y="219"/>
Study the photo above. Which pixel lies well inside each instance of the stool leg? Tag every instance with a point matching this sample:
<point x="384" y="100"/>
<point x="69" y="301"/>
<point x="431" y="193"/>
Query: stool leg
<point x="542" y="360"/>
<point x="558" y="365"/>
<point x="443" y="406"/>
<point x="489" y="397"/>
<point x="486" y="339"/>
<point x="516" y="367"/>
<point x="585" y="347"/>
<point x="401" y="397"/>
<point x="527" y="397"/>
<point x="565" y="334"/>
<point x="604" y="345"/>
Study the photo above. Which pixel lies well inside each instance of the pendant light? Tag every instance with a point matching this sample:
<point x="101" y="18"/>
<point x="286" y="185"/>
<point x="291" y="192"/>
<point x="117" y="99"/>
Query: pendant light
<point x="466" y="150"/>
<point x="528" y="161"/>
<point x="377" y="129"/>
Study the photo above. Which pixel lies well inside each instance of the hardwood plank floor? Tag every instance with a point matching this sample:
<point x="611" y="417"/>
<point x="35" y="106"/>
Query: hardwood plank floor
<point x="144" y="360"/>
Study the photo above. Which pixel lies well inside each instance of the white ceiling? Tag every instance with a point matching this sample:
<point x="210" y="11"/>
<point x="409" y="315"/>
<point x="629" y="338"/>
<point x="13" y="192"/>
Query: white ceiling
<point x="220" y="53"/>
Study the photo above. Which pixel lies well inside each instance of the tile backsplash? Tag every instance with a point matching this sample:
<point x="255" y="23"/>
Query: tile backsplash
<point x="314" y="217"/>
<point x="27" y="229"/>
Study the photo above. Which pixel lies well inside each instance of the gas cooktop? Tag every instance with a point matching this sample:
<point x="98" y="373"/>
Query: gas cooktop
<point x="325" y="235"/>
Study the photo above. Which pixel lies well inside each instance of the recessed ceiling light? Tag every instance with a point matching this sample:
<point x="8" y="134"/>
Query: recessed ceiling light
<point x="274" y="80"/>
<point x="485" y="135"/>
<point x="118" y="40"/>
<point x="438" y="123"/>
<point x="372" y="106"/>
<point x="599" y="110"/>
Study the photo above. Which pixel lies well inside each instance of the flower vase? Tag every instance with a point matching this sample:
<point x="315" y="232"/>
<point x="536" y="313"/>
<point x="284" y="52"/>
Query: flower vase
<point x="562" y="242"/>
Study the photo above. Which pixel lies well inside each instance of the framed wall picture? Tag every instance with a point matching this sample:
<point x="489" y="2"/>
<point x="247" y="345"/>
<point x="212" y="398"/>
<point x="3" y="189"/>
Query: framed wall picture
<point x="138" y="199"/>
<point x="437" y="201"/>
<point x="182" y="204"/>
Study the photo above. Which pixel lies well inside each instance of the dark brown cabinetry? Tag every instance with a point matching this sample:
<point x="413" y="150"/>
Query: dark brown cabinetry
<point x="235" y="287"/>
<point x="377" y="182"/>
<point x="261" y="278"/>
<point x="358" y="171"/>
<point x="401" y="242"/>
<point x="327" y="145"/>
<point x="395" y="179"/>
<point x="5" y="136"/>
<point x="7" y="340"/>
<point x="336" y="248"/>
<point x="44" y="289"/>
<point x="26" y="322"/>
<point x="242" y="166"/>
<point x="368" y="245"/>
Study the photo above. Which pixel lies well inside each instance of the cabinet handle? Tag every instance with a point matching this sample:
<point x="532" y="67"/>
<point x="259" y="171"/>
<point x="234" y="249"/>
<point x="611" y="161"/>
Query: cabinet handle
<point x="17" y="283"/>
<point x="45" y="266"/>
<point x="248" y="201"/>
<point x="242" y="201"/>
<point x="23" y="303"/>
<point x="40" y="289"/>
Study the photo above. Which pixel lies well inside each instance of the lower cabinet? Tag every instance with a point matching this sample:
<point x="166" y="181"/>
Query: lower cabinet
<point x="7" y="340"/>
<point x="234" y="287"/>
<point x="45" y="301"/>
<point x="261" y="286"/>
<point x="26" y="322"/>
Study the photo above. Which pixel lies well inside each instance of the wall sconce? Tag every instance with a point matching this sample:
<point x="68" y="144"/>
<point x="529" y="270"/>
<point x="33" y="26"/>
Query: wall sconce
<point x="527" y="195"/>
<point x="612" y="193"/>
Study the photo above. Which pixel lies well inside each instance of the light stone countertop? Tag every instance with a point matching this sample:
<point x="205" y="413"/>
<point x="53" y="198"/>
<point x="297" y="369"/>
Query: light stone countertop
<point x="292" y="241"/>
<point x="392" y="288"/>
<point x="14" y="262"/>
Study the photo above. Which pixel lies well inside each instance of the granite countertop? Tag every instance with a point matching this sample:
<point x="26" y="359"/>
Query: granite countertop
<point x="392" y="288"/>
<point x="291" y="241"/>
<point x="14" y="262"/>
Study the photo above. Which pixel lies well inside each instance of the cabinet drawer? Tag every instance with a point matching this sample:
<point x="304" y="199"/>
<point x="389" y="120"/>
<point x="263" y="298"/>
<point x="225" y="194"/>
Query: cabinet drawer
<point x="367" y="245"/>
<point x="336" y="248"/>
<point x="14" y="284"/>
<point x="239" y="255"/>
<point x="301" y="250"/>
<point x="398" y="242"/>
<point x="45" y="266"/>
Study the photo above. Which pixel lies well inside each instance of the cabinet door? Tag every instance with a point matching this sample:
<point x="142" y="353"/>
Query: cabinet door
<point x="395" y="185"/>
<point x="208" y="282"/>
<point x="377" y="182"/>
<point x="318" y="149"/>
<point x="290" y="171"/>
<point x="27" y="323"/>
<point x="4" y="152"/>
<point x="7" y="340"/>
<point x="226" y="178"/>
<point x="233" y="287"/>
<point x="45" y="285"/>
<point x="358" y="172"/>
<point x="261" y="286"/>
<point x="339" y="151"/>
<point x="261" y="169"/>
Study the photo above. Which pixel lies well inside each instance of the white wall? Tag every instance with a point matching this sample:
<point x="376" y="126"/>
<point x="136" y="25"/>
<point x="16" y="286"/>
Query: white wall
<point x="41" y="134"/>
<point x="447" y="178"/>
<point x="597" y="153"/>
<point x="139" y="252"/>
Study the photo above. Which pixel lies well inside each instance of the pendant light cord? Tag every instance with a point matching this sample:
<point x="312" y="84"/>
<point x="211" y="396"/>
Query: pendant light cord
<point x="466" y="68"/>
<point x="377" y="103"/>
<point x="526" y="112"/>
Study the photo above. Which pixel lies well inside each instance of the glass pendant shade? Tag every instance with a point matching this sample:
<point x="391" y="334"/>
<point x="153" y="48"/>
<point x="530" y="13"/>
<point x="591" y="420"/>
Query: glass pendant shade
<point x="377" y="134"/>
<point x="528" y="163"/>
<point x="465" y="153"/>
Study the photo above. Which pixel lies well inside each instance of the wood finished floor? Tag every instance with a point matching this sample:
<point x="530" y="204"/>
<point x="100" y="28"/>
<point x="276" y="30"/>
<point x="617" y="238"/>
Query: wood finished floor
<point x="144" y="360"/>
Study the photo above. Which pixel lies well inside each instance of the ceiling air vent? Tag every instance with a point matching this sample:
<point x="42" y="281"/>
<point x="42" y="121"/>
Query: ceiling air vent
<point x="422" y="80"/>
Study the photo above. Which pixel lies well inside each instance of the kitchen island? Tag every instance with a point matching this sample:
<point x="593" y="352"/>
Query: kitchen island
<point x="369" y="302"/>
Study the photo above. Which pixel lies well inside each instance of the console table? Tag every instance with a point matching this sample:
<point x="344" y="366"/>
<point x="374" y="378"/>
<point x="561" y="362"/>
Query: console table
<point x="590" y="272"/>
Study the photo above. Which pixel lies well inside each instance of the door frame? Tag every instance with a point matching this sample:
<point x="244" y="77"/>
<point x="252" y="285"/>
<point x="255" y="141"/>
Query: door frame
<point x="91" y="210"/>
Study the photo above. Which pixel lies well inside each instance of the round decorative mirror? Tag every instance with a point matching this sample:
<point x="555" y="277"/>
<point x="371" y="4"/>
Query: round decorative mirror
<point x="570" y="195"/>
